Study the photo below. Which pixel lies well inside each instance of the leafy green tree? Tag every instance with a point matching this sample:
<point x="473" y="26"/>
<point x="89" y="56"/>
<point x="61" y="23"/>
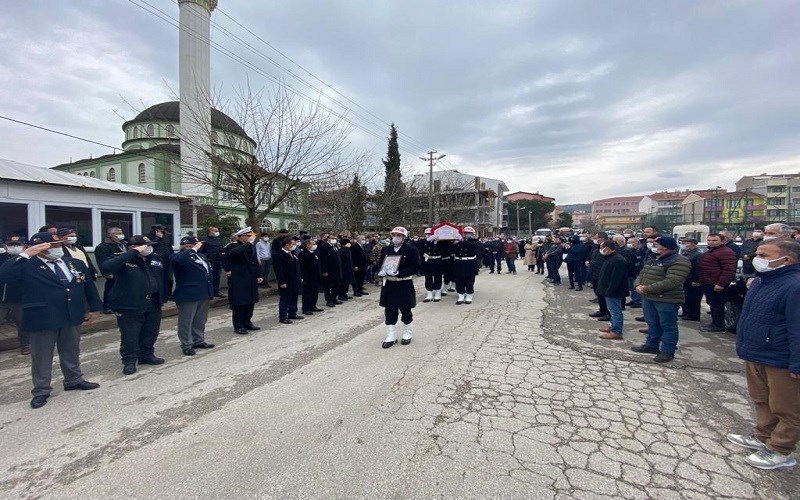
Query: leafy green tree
<point x="392" y="200"/>
<point x="539" y="214"/>
<point x="565" y="220"/>
<point x="356" y="203"/>
<point x="226" y="223"/>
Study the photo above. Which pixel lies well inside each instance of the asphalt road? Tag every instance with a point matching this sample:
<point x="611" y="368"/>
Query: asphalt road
<point x="510" y="397"/>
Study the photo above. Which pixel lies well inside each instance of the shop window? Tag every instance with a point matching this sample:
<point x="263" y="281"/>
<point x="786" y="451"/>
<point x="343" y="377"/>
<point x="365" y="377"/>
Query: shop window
<point x="14" y="220"/>
<point x="150" y="219"/>
<point x="123" y="220"/>
<point x="78" y="217"/>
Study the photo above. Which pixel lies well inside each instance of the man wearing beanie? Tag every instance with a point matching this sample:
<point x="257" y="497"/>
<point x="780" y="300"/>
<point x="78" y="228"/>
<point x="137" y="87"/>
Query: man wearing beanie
<point x="661" y="285"/>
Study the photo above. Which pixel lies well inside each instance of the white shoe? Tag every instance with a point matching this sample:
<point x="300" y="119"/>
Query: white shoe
<point x="428" y="297"/>
<point x="768" y="459"/>
<point x="437" y="295"/>
<point x="746" y="441"/>
<point x="443" y="291"/>
<point x="452" y="288"/>
<point x="460" y="299"/>
<point x="391" y="336"/>
<point x="408" y="330"/>
<point x="468" y="299"/>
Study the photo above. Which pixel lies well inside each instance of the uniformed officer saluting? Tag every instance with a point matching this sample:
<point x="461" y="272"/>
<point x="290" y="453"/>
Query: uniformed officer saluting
<point x="54" y="297"/>
<point x="194" y="288"/>
<point x="241" y="265"/>
<point x="465" y="265"/>
<point x="397" y="293"/>
<point x="138" y="292"/>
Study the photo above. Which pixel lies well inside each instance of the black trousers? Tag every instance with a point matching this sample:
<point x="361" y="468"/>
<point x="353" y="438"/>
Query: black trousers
<point x="574" y="273"/>
<point x="331" y="290"/>
<point x="216" y="275"/>
<point x="361" y="275"/>
<point x="242" y="316"/>
<point x="287" y="303"/>
<point x="433" y="281"/>
<point x="465" y="285"/>
<point x="139" y="331"/>
<point x="694" y="298"/>
<point x="343" y="289"/>
<point x="497" y="261"/>
<point x="714" y="301"/>
<point x="106" y="289"/>
<point x="391" y="315"/>
<point x="310" y="296"/>
<point x="447" y="270"/>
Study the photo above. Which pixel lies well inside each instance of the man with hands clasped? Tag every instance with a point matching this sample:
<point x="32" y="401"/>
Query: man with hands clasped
<point x="55" y="296"/>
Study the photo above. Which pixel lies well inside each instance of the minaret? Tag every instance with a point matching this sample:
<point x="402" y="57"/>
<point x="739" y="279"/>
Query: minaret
<point x="195" y="91"/>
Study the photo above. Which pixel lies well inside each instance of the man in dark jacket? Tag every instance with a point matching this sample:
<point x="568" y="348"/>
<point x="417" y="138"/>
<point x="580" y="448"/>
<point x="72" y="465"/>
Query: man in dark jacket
<point x="330" y="266"/>
<point x="310" y="274"/>
<point x="348" y="273"/>
<point x="715" y="271"/>
<point x="72" y="249"/>
<point x="692" y="290"/>
<point x="287" y="275"/>
<point x="360" y="265"/>
<point x="241" y="264"/>
<point x="596" y="262"/>
<point x="139" y="291"/>
<point x="114" y="244"/>
<point x="554" y="258"/>
<point x="57" y="292"/>
<point x="574" y="260"/>
<point x="11" y="294"/>
<point x="728" y="241"/>
<point x="194" y="289"/>
<point x="613" y="285"/>
<point x="749" y="247"/>
<point x="496" y="249"/>
<point x="213" y="250"/>
<point x="163" y="248"/>
<point x="768" y="340"/>
<point x="638" y="261"/>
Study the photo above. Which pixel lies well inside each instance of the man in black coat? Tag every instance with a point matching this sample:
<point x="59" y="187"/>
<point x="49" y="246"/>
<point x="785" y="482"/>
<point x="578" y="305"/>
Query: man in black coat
<point x="555" y="257"/>
<point x="213" y="250"/>
<point x="310" y="274"/>
<point x="612" y="284"/>
<point x="466" y="252"/>
<point x="241" y="264"/>
<point x="360" y="264"/>
<point x="114" y="244"/>
<point x="330" y="268"/>
<point x="287" y="275"/>
<point x="162" y="247"/>
<point x="11" y="294"/>
<point x="749" y="248"/>
<point x="194" y="289"/>
<point x="398" y="296"/>
<point x="596" y="262"/>
<point x="139" y="291"/>
<point x="348" y="273"/>
<point x="57" y="292"/>
<point x="692" y="293"/>
<point x="496" y="248"/>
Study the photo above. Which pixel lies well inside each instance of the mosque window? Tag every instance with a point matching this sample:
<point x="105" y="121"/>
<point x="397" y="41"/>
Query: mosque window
<point x="142" y="173"/>
<point x="293" y="227"/>
<point x="91" y="174"/>
<point x="265" y="225"/>
<point x="112" y="175"/>
<point x="170" y="130"/>
<point x="150" y="130"/>
<point x="135" y="132"/>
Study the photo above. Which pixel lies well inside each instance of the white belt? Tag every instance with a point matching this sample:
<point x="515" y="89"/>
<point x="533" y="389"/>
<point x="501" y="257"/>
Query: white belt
<point x="395" y="278"/>
<point x="429" y="257"/>
<point x="464" y="258"/>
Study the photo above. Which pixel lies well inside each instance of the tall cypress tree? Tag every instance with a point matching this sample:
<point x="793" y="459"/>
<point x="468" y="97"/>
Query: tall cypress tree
<point x="393" y="188"/>
<point x="356" y="212"/>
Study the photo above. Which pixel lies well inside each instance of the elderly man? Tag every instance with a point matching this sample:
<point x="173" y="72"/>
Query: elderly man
<point x="241" y="265"/>
<point x="715" y="271"/>
<point x="768" y="340"/>
<point x="661" y="285"/>
<point x="777" y="231"/>
<point x="749" y="247"/>
<point x="691" y="289"/>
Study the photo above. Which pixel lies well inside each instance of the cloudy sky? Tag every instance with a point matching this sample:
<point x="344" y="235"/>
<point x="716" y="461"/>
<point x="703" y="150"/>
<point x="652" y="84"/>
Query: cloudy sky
<point x="575" y="99"/>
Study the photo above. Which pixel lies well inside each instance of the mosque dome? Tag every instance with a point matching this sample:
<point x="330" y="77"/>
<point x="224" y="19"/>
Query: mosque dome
<point x="170" y="111"/>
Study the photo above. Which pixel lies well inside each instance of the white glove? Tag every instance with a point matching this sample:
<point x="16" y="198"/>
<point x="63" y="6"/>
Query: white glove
<point x="432" y="238"/>
<point x="382" y="273"/>
<point x="459" y="237"/>
<point x="393" y="273"/>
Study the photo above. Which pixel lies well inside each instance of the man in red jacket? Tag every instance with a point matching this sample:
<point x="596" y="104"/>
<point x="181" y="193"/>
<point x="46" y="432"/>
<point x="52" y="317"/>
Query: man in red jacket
<point x="715" y="271"/>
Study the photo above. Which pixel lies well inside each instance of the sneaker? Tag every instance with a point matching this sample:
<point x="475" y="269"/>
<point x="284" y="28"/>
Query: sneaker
<point x="768" y="459"/>
<point x="746" y="441"/>
<point x="664" y="357"/>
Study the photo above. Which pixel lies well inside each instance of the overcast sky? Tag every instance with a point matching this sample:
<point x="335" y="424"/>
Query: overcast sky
<point x="578" y="100"/>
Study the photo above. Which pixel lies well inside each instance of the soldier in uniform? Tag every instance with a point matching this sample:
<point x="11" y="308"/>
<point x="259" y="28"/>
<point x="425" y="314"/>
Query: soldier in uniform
<point x="465" y="265"/>
<point x="139" y="291"/>
<point x="398" y="296"/>
<point x="446" y="251"/>
<point x="194" y="289"/>
<point x="431" y="252"/>
<point x="54" y="300"/>
<point x="114" y="244"/>
<point x="241" y="264"/>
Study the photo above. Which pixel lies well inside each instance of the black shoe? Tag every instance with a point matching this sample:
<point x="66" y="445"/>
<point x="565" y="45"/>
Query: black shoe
<point x="712" y="328"/>
<point x="357" y="294"/>
<point x="635" y="306"/>
<point x="295" y="316"/>
<point x="330" y="304"/>
<point x="640" y="318"/>
<point x="82" y="386"/>
<point x="285" y="321"/>
<point x="152" y="360"/>
<point x="387" y="345"/>
<point x="405" y="341"/>
<point x="203" y="345"/>
<point x="687" y="318"/>
<point x="308" y="313"/>
<point x="344" y="297"/>
<point x="579" y="289"/>
<point x="38" y="401"/>
<point x="362" y="292"/>
<point x="594" y="301"/>
<point x="317" y="310"/>
<point x="252" y="327"/>
<point x="571" y="287"/>
<point x="645" y="349"/>
<point x="596" y="314"/>
<point x="629" y="303"/>
<point x="191" y="352"/>
<point x="129" y="369"/>
<point x="604" y="318"/>
<point x="108" y="311"/>
<point x="241" y="331"/>
<point x="338" y="302"/>
<point x="664" y="357"/>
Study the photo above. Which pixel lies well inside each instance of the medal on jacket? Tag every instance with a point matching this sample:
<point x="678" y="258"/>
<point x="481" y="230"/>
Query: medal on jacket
<point x="79" y="276"/>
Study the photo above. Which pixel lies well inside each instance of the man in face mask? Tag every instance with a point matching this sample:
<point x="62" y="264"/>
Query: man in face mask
<point x="287" y="275"/>
<point x="72" y="249"/>
<point x="114" y="244"/>
<point x="768" y="340"/>
<point x="715" y="271"/>
<point x="212" y="249"/>
<point x="749" y="247"/>
<point x="330" y="268"/>
<point x="311" y="278"/>
<point x="139" y="291"/>
<point x="56" y="294"/>
<point x="241" y="263"/>
<point x="11" y="294"/>
<point x="264" y="254"/>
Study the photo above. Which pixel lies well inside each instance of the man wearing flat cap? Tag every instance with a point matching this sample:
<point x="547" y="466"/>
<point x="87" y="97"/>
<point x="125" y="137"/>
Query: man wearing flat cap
<point x="136" y="298"/>
<point x="194" y="288"/>
<point x="241" y="265"/>
<point x="56" y="293"/>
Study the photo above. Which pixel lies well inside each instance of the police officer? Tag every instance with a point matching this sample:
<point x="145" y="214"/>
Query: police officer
<point x="11" y="293"/>
<point x="194" y="288"/>
<point x="465" y="266"/>
<point x="162" y="247"/>
<point x="241" y="264"/>
<point x="138" y="292"/>
<point x="114" y="244"/>
<point x="431" y="252"/>
<point x="54" y="299"/>
<point x="398" y="296"/>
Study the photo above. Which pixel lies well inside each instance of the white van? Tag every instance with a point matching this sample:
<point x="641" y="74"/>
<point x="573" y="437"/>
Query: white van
<point x="543" y="232"/>
<point x="697" y="231"/>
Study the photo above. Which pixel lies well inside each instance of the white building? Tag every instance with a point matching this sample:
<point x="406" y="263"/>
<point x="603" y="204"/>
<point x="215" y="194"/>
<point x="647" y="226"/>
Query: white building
<point x="31" y="197"/>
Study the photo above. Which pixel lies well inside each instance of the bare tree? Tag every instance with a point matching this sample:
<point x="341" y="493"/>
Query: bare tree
<point x="339" y="202"/>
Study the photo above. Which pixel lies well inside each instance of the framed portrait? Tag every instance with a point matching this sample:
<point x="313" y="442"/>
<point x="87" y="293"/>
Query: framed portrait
<point x="391" y="263"/>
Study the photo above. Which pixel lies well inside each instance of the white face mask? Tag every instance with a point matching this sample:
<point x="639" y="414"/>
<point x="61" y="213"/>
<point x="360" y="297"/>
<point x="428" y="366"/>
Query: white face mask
<point x="682" y="247"/>
<point x="265" y="239"/>
<point x="332" y="241"/>
<point x="584" y="239"/>
<point x="757" y="234"/>
<point x="313" y="248"/>
<point x="649" y="245"/>
<point x="54" y="253"/>
<point x="72" y="240"/>
<point x="147" y="251"/>
<point x="762" y="265"/>
<point x="655" y="250"/>
<point x="770" y="238"/>
<point x="595" y="240"/>
<point x="215" y="234"/>
<point x="14" y="249"/>
<point x="630" y="245"/>
<point x="603" y="251"/>
<point x="119" y="237"/>
<point x="397" y="240"/>
<point x="2" y="250"/>
<point x="293" y="248"/>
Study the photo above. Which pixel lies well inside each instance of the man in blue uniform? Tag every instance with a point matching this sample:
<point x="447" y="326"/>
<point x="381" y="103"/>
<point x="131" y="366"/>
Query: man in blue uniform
<point x="194" y="288"/>
<point x="56" y="294"/>
<point x="136" y="297"/>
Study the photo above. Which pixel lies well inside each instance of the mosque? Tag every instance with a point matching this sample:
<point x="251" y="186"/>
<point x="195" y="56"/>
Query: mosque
<point x="152" y="152"/>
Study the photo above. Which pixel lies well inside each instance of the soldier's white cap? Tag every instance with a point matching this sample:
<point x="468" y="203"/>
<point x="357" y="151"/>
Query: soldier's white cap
<point x="243" y="232"/>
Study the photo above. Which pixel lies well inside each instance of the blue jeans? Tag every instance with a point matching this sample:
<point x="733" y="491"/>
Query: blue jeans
<point x="636" y="297"/>
<point x="512" y="266"/>
<point x="614" y="305"/>
<point x="662" y="325"/>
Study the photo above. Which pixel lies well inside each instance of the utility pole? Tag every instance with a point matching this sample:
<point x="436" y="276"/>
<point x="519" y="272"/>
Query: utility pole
<point x="530" y="224"/>
<point x="430" y="159"/>
<point x="517" y="217"/>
